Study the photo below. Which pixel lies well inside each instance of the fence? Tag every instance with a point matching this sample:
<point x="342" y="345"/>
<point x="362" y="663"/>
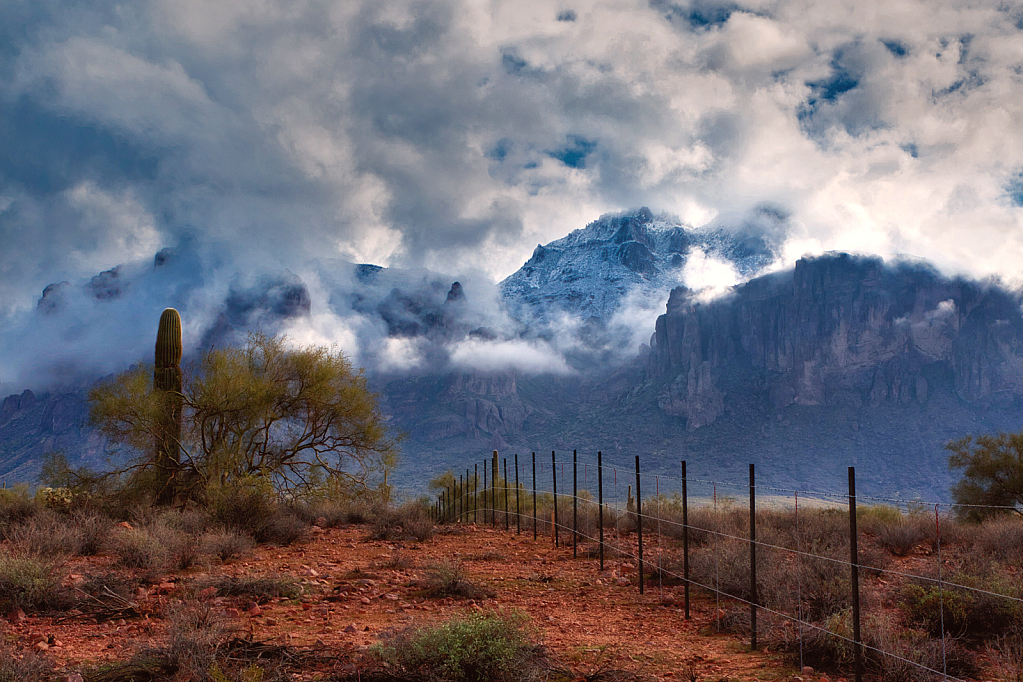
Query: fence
<point x="674" y="503"/>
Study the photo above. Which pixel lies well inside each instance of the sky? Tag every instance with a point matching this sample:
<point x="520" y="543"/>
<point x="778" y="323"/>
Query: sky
<point x="456" y="135"/>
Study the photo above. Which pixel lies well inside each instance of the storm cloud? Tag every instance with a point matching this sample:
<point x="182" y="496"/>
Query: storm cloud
<point x="455" y="135"/>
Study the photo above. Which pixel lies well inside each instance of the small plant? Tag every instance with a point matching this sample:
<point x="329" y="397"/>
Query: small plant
<point x="137" y="548"/>
<point x="49" y="536"/>
<point x="411" y="521"/>
<point x="226" y="545"/>
<point x="480" y="647"/>
<point x="30" y="668"/>
<point x="448" y="579"/>
<point x="258" y="589"/>
<point x="977" y="614"/>
<point x="196" y="633"/>
<point x="29" y="583"/>
<point x="900" y="538"/>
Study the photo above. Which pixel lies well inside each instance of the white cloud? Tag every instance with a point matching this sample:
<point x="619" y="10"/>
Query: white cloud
<point x="529" y="357"/>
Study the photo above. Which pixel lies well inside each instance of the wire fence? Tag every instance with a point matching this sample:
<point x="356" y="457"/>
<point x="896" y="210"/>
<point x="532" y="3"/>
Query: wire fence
<point x="602" y="508"/>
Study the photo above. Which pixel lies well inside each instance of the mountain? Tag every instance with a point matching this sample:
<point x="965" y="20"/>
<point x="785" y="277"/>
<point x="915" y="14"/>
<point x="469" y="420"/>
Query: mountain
<point x="588" y="273"/>
<point x="840" y="361"/>
<point x="836" y="361"/>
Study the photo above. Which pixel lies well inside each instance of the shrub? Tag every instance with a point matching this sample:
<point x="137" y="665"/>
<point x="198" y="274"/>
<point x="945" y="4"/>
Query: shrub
<point x="30" y="584"/>
<point x="256" y="588"/>
<point x="283" y="530"/>
<point x="891" y="652"/>
<point x="479" y="647"/>
<point x="94" y="530"/>
<point x="30" y="668"/>
<point x="448" y="579"/>
<point x="411" y="521"/>
<point x="976" y="614"/>
<point x="138" y="548"/>
<point x="47" y="535"/>
<point x="15" y="509"/>
<point x="196" y="632"/>
<point x="900" y="538"/>
<point x="225" y="545"/>
<point x="1001" y="538"/>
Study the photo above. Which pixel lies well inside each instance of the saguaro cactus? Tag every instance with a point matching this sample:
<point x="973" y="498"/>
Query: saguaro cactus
<point x="167" y="382"/>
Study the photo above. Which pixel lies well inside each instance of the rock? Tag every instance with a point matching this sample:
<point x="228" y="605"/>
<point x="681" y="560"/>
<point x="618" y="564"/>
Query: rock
<point x="125" y="525"/>
<point x="807" y="670"/>
<point x="232" y="613"/>
<point x="321" y="522"/>
<point x="74" y="677"/>
<point x="41" y="646"/>
<point x="351" y="628"/>
<point x="16" y="616"/>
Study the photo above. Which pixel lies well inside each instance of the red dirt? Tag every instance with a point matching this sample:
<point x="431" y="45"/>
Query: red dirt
<point x="585" y="617"/>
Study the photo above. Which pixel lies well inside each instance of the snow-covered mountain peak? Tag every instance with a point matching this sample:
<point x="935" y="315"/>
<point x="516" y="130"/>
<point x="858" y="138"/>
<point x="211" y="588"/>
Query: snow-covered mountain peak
<point x="590" y="272"/>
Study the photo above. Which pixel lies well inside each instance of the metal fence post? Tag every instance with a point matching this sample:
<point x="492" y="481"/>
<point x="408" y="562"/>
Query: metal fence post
<point x="505" y="463"/>
<point x="534" y="496"/>
<point x="575" y="505"/>
<point x="639" y="524"/>
<point x="493" y="488"/>
<point x="753" y="558"/>
<point x="600" y="506"/>
<point x="518" y="512"/>
<point x="855" y="578"/>
<point x="685" y="536"/>
<point x="554" y="479"/>
<point x="485" y="488"/>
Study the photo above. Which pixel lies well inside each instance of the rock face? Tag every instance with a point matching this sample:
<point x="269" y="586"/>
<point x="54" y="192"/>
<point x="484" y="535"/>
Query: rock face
<point x="32" y="426"/>
<point x="838" y="330"/>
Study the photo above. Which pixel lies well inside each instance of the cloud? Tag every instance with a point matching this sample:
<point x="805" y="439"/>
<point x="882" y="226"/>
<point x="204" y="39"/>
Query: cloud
<point x="455" y="135"/>
<point x="526" y="356"/>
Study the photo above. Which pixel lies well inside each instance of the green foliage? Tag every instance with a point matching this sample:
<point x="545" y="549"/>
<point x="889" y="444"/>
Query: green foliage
<point x="478" y="647"/>
<point x="992" y="474"/>
<point x="138" y="548"/>
<point x="302" y="420"/>
<point x="29" y="583"/>
<point x="976" y="614"/>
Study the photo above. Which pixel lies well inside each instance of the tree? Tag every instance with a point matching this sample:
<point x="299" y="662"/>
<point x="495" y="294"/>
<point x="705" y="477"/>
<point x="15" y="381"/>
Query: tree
<point x="300" y="420"/>
<point x="992" y="480"/>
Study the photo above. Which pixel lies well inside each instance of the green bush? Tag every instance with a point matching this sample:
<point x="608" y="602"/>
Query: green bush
<point x="29" y="583"/>
<point x="479" y="647"/>
<point x="977" y="614"/>
<point x="138" y="548"/>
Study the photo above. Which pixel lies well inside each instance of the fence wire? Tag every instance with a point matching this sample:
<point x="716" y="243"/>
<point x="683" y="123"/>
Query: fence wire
<point x="466" y="498"/>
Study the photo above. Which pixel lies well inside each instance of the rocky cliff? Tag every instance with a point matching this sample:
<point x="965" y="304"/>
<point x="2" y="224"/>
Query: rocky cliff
<point x="838" y="330"/>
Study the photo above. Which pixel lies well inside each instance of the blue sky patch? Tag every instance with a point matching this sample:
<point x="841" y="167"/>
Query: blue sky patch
<point x="1014" y="188"/>
<point x="699" y="15"/>
<point x="575" y="152"/>
<point x="896" y="47"/>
